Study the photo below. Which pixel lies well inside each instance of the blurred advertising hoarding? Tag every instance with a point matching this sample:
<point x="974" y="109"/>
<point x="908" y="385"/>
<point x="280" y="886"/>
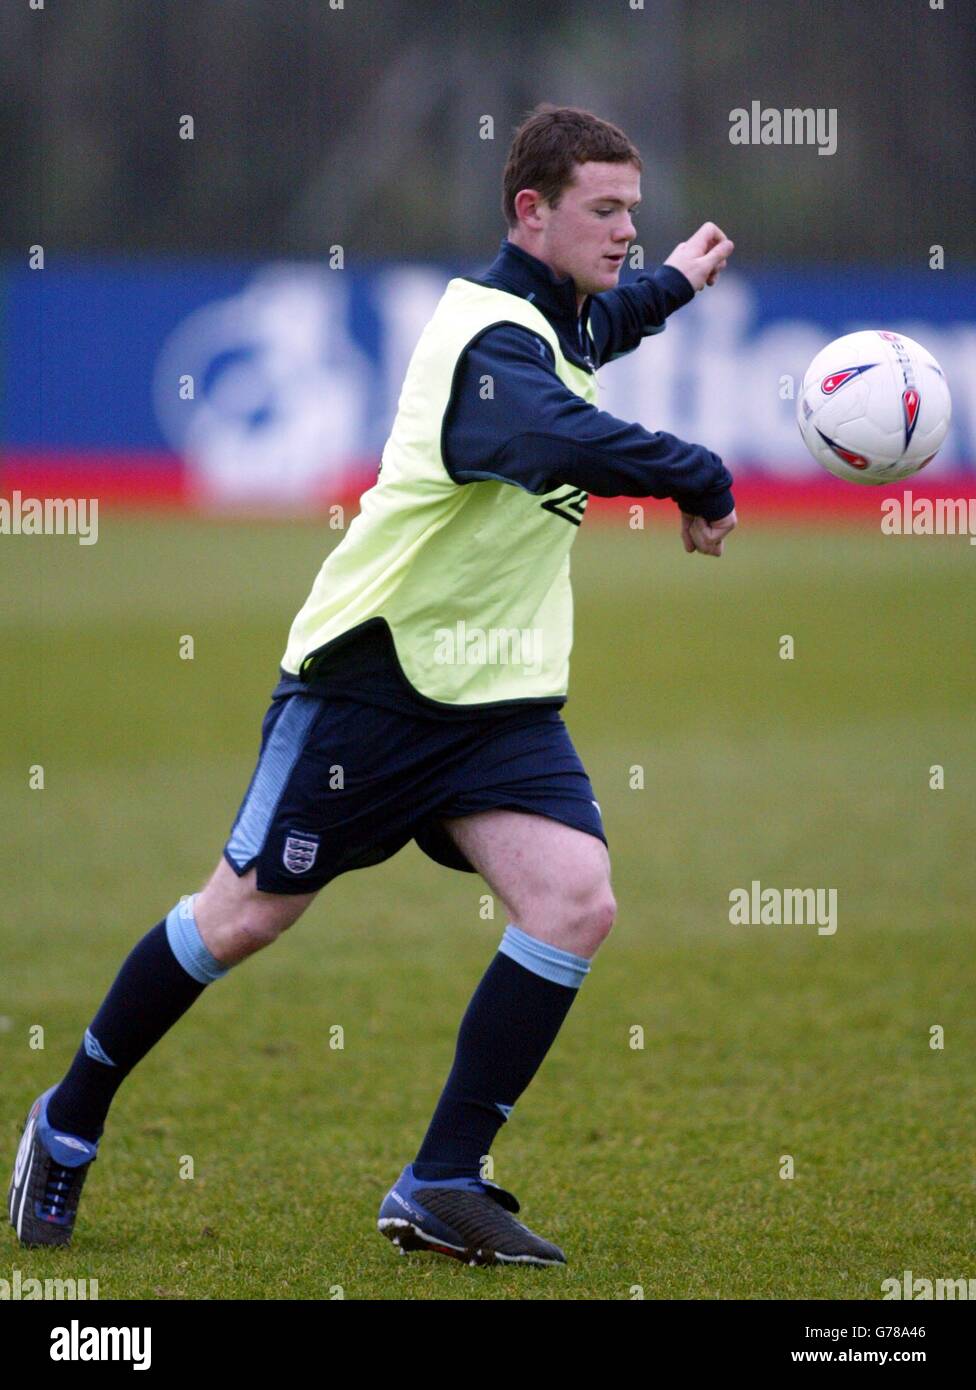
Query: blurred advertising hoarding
<point x="273" y="386"/>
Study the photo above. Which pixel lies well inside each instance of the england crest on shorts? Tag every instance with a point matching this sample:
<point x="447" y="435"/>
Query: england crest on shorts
<point x="299" y="852"/>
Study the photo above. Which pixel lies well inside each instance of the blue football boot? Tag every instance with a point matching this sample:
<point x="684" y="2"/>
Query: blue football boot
<point x="49" y="1173"/>
<point x="467" y="1218"/>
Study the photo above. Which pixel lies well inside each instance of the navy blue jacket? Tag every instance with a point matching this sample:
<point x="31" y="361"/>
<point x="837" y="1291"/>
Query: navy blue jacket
<point x="536" y="435"/>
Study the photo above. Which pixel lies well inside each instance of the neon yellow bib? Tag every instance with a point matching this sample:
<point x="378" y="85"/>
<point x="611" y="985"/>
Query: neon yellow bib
<point x="472" y="578"/>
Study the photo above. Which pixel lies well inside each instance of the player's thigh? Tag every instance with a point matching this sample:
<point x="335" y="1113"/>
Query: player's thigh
<point x="553" y="879"/>
<point x="230" y="910"/>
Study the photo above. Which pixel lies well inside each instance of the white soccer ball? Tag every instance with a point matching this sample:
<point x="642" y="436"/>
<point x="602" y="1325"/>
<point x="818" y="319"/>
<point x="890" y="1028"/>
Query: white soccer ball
<point x="874" y="407"/>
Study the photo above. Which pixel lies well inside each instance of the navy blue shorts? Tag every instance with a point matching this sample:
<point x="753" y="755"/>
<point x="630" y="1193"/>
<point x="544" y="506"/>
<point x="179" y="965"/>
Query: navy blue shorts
<point x="340" y="785"/>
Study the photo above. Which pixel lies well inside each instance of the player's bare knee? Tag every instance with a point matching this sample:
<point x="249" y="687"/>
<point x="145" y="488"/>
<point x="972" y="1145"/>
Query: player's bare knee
<point x="596" y="919"/>
<point x="234" y="929"/>
<point x="236" y="919"/>
<point x="252" y="930"/>
<point x="578" y="919"/>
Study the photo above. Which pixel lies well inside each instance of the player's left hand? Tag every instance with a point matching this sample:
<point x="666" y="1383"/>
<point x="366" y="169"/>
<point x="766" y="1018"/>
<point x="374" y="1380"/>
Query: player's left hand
<point x="703" y="257"/>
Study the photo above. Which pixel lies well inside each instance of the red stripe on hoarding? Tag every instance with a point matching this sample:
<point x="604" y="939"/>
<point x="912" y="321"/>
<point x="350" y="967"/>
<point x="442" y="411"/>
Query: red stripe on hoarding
<point x="131" y="479"/>
<point x="159" y="479"/>
<point x="804" y="500"/>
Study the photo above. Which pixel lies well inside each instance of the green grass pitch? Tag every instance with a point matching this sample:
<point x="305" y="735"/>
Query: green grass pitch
<point x="656" y="1167"/>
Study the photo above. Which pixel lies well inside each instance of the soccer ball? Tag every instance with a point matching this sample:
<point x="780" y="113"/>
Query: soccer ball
<point x="874" y="407"/>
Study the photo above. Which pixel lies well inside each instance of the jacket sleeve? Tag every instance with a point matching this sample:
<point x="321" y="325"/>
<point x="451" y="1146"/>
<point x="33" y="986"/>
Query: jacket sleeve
<point x="621" y="319"/>
<point x="510" y="419"/>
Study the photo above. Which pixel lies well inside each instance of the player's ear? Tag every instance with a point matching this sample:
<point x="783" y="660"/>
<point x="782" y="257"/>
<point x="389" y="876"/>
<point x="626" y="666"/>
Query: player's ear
<point x="528" y="208"/>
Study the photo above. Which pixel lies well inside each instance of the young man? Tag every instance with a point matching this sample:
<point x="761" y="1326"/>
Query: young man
<point x="466" y="534"/>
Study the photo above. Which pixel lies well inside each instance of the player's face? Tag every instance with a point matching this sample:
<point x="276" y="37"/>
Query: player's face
<point x="587" y="235"/>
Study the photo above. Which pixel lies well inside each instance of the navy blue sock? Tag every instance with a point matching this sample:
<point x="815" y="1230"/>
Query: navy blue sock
<point x="510" y="1025"/>
<point x="160" y="978"/>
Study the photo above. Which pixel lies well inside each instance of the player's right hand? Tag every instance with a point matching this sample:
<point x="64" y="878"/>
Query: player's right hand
<point x="703" y="257"/>
<point x="706" y="537"/>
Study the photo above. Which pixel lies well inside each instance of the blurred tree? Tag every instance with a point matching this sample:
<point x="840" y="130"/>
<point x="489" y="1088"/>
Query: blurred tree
<point x="362" y="125"/>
